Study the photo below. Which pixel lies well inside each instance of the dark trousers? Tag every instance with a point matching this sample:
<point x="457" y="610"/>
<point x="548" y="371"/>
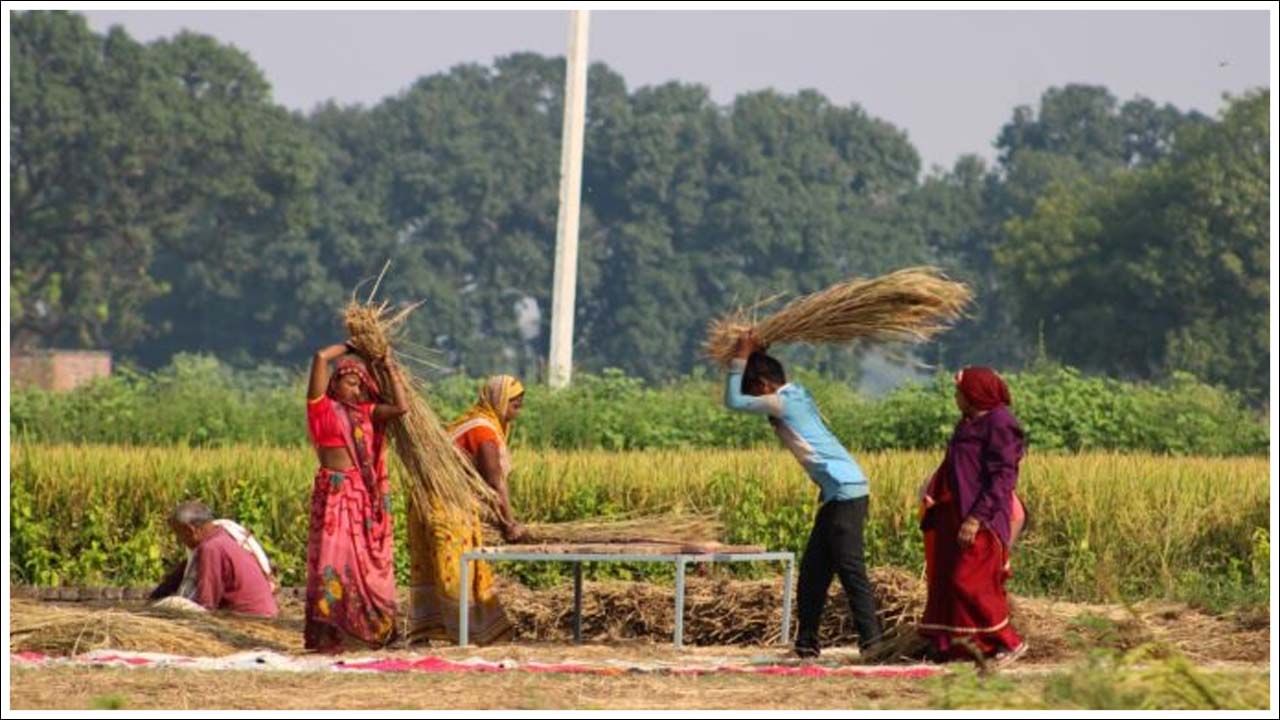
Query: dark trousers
<point x="835" y="548"/>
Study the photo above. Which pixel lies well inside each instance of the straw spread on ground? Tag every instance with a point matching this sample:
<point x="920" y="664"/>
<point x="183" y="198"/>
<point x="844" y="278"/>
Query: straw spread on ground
<point x="438" y="476"/>
<point x="909" y="305"/>
<point x="719" y="611"/>
<point x="73" y="629"/>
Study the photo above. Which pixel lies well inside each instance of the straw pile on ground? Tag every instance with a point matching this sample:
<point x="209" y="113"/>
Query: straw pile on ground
<point x="717" y="611"/>
<point x="440" y="479"/>
<point x="675" y="528"/>
<point x="909" y="305"/>
<point x="71" y="630"/>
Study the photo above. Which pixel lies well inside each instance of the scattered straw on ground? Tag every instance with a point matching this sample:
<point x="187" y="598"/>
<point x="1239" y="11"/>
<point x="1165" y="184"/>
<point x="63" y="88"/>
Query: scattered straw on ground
<point x="622" y="619"/>
<point x="74" y="629"/>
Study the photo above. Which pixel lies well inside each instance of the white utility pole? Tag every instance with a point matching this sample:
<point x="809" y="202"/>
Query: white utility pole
<point x="564" y="283"/>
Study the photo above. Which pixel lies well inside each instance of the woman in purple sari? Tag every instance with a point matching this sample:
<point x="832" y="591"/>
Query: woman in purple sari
<point x="970" y="519"/>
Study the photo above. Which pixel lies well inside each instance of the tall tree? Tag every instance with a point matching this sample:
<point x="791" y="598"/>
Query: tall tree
<point x="1078" y="136"/>
<point x="87" y="197"/>
<point x="472" y="194"/>
<point x="157" y="193"/>
<point x="646" y="181"/>
<point x="162" y="202"/>
<point x="1161" y="268"/>
<point x="244" y="175"/>
<point x="804" y="193"/>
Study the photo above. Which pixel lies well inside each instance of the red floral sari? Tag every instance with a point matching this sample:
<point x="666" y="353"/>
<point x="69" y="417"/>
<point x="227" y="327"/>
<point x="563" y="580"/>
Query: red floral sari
<point x="351" y="589"/>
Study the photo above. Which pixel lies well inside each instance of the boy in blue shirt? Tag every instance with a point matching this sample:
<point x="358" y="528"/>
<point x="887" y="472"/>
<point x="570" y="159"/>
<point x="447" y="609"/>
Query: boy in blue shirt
<point x="758" y="384"/>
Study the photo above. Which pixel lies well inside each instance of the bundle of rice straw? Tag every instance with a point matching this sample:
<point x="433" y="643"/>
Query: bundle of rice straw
<point x="673" y="528"/>
<point x="439" y="476"/>
<point x="913" y="304"/>
<point x="71" y="630"/>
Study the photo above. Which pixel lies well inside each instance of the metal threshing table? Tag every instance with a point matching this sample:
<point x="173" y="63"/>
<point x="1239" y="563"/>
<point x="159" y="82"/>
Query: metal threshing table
<point x="680" y="555"/>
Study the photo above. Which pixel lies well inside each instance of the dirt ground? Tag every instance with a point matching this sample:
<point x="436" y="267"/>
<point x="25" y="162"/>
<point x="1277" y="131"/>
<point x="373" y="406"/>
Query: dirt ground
<point x="66" y="688"/>
<point x="1062" y="636"/>
<point x="117" y="688"/>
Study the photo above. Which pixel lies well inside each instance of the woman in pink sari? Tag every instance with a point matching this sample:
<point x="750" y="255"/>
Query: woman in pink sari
<point x="351" y="587"/>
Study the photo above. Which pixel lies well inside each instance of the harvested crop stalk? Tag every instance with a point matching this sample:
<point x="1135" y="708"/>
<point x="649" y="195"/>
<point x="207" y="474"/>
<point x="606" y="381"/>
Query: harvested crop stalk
<point x="673" y="528"/>
<point x="439" y="479"/>
<point x="909" y="305"/>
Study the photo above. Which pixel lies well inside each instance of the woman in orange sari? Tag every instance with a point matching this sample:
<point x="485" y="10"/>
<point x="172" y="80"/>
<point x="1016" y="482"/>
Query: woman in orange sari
<point x="351" y="587"/>
<point x="971" y="516"/>
<point x="436" y="550"/>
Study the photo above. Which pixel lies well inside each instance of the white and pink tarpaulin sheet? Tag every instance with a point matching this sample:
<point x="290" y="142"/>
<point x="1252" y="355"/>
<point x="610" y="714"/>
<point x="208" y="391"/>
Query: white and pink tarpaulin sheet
<point x="271" y="661"/>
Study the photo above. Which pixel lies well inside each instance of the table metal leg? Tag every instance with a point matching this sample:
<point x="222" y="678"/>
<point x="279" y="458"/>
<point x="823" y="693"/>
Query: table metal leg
<point x="577" y="603"/>
<point x="464" y="591"/>
<point x="787" y="584"/>
<point x="680" y="566"/>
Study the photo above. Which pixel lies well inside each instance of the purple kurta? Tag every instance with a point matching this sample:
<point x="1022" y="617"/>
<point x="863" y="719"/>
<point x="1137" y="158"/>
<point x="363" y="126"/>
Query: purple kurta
<point x="983" y="461"/>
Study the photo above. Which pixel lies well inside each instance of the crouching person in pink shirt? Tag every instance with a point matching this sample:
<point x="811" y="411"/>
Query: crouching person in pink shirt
<point x="226" y="568"/>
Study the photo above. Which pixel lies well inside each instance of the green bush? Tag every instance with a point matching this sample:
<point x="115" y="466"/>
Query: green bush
<point x="199" y="402"/>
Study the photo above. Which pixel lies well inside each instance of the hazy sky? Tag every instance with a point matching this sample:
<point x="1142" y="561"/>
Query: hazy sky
<point x="950" y="79"/>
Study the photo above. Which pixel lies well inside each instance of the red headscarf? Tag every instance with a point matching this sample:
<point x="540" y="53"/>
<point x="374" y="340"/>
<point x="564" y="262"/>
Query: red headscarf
<point x="983" y="388"/>
<point x="348" y="366"/>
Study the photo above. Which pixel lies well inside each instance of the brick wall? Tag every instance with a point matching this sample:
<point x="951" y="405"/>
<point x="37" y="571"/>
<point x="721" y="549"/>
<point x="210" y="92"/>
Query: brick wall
<point x="30" y="370"/>
<point x="59" y="370"/>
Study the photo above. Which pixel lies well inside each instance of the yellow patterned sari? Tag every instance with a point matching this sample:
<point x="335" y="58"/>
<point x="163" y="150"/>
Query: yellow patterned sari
<point x="436" y="548"/>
